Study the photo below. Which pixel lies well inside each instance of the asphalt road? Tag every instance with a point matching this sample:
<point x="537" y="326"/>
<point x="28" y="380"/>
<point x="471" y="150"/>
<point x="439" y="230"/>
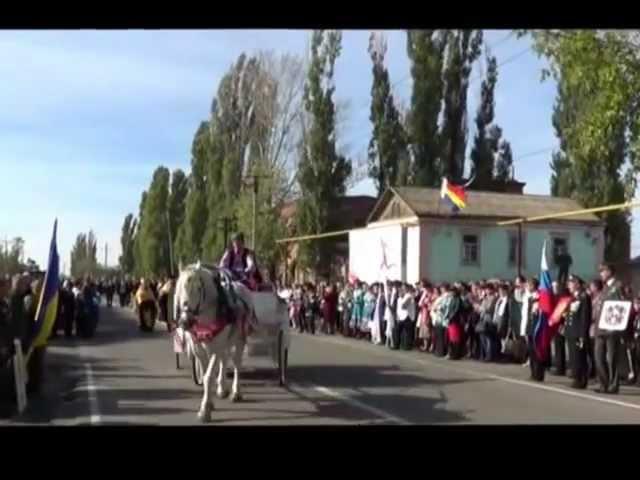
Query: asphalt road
<point x="126" y="377"/>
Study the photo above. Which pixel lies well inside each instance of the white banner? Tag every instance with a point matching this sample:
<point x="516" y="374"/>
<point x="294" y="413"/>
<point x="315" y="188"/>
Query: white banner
<point x="615" y="315"/>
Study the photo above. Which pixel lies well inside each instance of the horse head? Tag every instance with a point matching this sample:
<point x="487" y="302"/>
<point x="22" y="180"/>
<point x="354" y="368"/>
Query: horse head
<point x="195" y="294"/>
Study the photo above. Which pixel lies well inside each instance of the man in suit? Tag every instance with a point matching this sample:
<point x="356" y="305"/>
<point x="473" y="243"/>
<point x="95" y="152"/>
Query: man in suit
<point x="577" y="331"/>
<point x="607" y="341"/>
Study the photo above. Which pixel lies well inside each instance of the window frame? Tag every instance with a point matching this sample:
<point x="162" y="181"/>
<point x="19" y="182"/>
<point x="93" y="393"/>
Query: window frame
<point x="559" y="236"/>
<point x="512" y="235"/>
<point x="463" y="261"/>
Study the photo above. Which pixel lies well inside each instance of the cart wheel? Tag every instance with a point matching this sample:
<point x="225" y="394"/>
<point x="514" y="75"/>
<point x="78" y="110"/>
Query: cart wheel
<point x="177" y="361"/>
<point x="195" y="371"/>
<point x="283" y="354"/>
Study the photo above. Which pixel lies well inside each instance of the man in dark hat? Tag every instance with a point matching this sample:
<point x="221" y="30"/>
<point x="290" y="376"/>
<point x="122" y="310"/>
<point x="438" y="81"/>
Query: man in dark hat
<point x="577" y="331"/>
<point x="241" y="262"/>
<point x="608" y="341"/>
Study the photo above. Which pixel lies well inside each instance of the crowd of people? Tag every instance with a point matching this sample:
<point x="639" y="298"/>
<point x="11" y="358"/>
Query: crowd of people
<point x="489" y="321"/>
<point x="19" y="296"/>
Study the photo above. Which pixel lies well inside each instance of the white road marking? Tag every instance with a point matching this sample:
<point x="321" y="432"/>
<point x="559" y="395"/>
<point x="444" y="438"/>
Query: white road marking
<point x="514" y="381"/>
<point x="383" y="416"/>
<point x="94" y="418"/>
<point x="130" y="403"/>
<point x="357" y="403"/>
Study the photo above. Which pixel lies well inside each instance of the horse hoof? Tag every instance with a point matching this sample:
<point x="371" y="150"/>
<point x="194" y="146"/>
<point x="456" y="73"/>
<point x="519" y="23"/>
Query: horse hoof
<point x="205" y="416"/>
<point x="222" y="393"/>
<point x="236" y="397"/>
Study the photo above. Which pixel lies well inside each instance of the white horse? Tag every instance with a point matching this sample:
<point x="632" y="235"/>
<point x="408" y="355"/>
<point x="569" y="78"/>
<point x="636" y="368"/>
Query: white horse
<point x="196" y="297"/>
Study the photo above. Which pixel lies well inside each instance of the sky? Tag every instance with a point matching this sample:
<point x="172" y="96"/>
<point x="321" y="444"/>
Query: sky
<point x="88" y="115"/>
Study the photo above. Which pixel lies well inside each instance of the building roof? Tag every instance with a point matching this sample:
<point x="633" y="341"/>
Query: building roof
<point x="425" y="202"/>
<point x="349" y="212"/>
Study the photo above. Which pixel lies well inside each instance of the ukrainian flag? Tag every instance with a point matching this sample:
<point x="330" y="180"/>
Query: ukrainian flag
<point x="454" y="195"/>
<point x="48" y="303"/>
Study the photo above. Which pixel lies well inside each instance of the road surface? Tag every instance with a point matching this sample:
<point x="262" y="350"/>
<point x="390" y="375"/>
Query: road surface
<point x="126" y="377"/>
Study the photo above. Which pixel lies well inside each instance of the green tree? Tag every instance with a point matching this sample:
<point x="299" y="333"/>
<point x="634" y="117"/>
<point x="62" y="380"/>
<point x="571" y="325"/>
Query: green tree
<point x="137" y="238"/>
<point x="322" y="172"/>
<point x="84" y="260"/>
<point x="154" y="239"/>
<point x="190" y="234"/>
<point x="426" y="52"/>
<point x="606" y="66"/>
<point x="177" y="199"/>
<point x="463" y="50"/>
<point x="599" y="184"/>
<point x="11" y="257"/>
<point x="215" y="194"/>
<point x="504" y="162"/>
<point x="482" y="156"/>
<point x="387" y="153"/>
<point x="127" y="258"/>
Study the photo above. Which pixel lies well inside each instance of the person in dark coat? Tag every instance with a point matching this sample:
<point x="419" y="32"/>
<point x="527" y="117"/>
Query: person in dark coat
<point x="67" y="308"/>
<point x="330" y="308"/>
<point x="109" y="290"/>
<point x="577" y="331"/>
<point x="595" y="292"/>
<point x="608" y="342"/>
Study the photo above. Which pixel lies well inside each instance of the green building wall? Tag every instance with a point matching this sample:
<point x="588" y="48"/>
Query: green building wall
<point x="444" y="250"/>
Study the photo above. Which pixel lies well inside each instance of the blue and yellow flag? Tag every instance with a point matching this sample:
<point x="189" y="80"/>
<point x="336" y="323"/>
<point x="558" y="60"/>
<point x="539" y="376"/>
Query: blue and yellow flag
<point x="48" y="303"/>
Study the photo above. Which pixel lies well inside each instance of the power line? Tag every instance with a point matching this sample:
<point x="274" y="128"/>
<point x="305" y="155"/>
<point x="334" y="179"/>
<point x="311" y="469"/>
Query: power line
<point x="537" y="152"/>
<point x="506" y="62"/>
<point x="499" y="42"/>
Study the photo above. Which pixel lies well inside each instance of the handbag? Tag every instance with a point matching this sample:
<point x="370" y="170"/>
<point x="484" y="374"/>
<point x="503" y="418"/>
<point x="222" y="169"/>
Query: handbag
<point x="509" y="346"/>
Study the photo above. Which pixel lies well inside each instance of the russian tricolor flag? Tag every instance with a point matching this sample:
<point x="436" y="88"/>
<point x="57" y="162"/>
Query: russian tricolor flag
<point x="454" y="195"/>
<point x="542" y="331"/>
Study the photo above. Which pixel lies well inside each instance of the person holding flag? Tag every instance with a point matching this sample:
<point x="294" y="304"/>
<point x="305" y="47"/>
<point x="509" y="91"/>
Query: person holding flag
<point x="45" y="317"/>
<point x="543" y="329"/>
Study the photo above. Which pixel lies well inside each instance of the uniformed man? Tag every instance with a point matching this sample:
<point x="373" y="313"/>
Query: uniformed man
<point x="577" y="331"/>
<point x="608" y="341"/>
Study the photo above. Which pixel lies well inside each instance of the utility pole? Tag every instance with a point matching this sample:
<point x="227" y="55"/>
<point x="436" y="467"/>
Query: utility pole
<point x="255" y="184"/>
<point x="228" y="223"/>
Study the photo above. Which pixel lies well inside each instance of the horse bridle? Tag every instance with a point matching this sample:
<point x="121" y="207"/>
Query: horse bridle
<point x="189" y="313"/>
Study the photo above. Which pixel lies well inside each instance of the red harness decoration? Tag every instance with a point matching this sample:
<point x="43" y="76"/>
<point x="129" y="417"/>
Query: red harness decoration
<point x="206" y="332"/>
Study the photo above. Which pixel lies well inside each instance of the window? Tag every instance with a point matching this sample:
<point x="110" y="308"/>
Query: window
<point x="470" y="250"/>
<point x="560" y="244"/>
<point x="512" y="254"/>
<point x="513" y="249"/>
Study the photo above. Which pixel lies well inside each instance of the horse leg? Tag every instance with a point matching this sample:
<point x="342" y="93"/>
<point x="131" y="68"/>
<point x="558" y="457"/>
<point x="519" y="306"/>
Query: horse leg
<point x="238" y="352"/>
<point x="222" y="391"/>
<point x="206" y="407"/>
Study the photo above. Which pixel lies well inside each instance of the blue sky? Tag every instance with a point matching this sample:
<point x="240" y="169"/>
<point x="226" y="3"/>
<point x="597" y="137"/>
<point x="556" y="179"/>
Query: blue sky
<point x="88" y="115"/>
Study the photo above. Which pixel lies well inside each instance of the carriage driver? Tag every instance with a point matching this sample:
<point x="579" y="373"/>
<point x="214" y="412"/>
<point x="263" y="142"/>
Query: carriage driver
<point x="241" y="262"/>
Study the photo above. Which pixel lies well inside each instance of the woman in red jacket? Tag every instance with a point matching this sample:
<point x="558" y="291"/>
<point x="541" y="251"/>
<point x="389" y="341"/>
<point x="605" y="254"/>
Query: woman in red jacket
<point x="329" y="309"/>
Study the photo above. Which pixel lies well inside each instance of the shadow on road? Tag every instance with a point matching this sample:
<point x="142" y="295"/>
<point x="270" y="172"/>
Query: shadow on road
<point x="368" y="376"/>
<point x="390" y="384"/>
